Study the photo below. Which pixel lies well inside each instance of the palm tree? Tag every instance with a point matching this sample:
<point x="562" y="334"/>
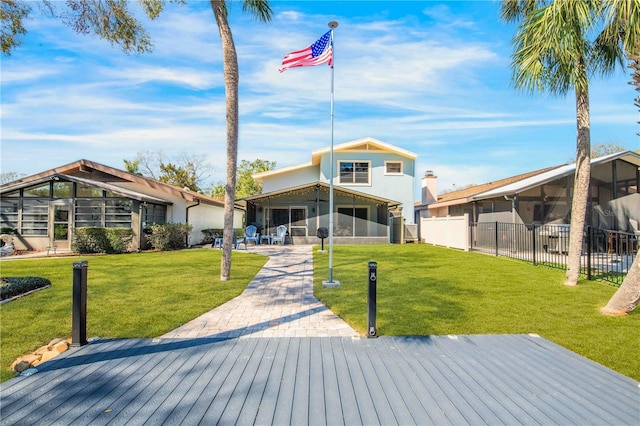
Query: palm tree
<point x="622" y="34"/>
<point x="261" y="10"/>
<point x="553" y="52"/>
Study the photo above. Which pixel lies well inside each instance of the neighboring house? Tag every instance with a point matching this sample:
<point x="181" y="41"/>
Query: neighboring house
<point x="45" y="208"/>
<point x="544" y="196"/>
<point x="372" y="179"/>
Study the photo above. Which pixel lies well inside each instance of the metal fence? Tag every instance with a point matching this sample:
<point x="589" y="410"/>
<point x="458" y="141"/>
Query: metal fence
<point x="606" y="255"/>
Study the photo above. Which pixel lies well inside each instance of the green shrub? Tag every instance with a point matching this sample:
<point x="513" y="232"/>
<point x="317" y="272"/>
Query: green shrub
<point x="101" y="240"/>
<point x="207" y="234"/>
<point x="119" y="239"/>
<point x="169" y="236"/>
<point x="14" y="286"/>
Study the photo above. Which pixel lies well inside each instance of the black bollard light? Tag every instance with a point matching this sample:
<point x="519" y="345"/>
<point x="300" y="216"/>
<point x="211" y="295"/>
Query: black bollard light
<point x="79" y="309"/>
<point x="371" y="306"/>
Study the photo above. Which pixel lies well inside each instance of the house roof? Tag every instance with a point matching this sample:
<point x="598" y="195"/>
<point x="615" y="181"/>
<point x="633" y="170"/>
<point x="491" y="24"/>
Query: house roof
<point x="362" y="144"/>
<point x="566" y="170"/>
<point x="323" y="186"/>
<point x="111" y="174"/>
<point x="367" y="144"/>
<point x="468" y="194"/>
<point x="523" y="182"/>
<point x="102" y="185"/>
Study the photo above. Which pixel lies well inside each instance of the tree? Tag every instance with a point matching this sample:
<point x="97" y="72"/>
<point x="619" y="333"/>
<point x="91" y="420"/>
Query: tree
<point x="246" y="185"/>
<point x="626" y="298"/>
<point x="622" y="33"/>
<point x="6" y="177"/>
<point x="184" y="177"/>
<point x="12" y="13"/>
<point x="113" y="21"/>
<point x="186" y="171"/>
<point x="132" y="166"/>
<point x="261" y="10"/>
<point x="553" y="52"/>
<point x="602" y="149"/>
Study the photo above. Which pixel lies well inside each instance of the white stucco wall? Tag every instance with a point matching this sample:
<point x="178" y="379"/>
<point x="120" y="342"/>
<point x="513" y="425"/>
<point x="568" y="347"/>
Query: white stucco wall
<point x="205" y="216"/>
<point x="200" y="217"/>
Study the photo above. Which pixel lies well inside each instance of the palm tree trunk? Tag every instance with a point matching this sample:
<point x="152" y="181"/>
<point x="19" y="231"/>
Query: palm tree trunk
<point x="627" y="297"/>
<point x="231" y="77"/>
<point x="580" y="187"/>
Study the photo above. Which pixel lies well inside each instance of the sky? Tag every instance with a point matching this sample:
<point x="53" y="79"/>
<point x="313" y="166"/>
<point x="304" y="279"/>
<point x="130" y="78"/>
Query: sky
<point x="431" y="77"/>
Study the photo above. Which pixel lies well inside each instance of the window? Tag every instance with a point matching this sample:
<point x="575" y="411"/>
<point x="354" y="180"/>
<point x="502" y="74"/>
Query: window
<point x="88" y="214"/>
<point x="154" y="213"/>
<point x="9" y="213"/>
<point x="35" y="217"/>
<point x="393" y="167"/>
<point x="62" y="189"/>
<point x="354" y="172"/>
<point x="86" y="191"/>
<point x="117" y="213"/>
<point x="38" y="191"/>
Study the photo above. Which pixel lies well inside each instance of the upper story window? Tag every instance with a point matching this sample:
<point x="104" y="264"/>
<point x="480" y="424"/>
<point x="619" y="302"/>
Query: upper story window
<point x="41" y="191"/>
<point x="355" y="172"/>
<point x="393" y="167"/>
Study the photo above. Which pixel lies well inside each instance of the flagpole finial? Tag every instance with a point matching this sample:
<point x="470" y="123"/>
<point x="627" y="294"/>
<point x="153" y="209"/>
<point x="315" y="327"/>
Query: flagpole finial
<point x="333" y="24"/>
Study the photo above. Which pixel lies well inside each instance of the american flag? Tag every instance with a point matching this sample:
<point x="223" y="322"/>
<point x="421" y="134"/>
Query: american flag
<point x="315" y="54"/>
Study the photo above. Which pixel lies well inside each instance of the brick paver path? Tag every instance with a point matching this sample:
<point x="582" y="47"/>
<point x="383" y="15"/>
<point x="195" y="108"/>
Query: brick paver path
<point x="279" y="302"/>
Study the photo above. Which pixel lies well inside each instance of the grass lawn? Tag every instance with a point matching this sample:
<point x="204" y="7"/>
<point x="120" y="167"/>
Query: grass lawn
<point x="426" y="290"/>
<point x="128" y="295"/>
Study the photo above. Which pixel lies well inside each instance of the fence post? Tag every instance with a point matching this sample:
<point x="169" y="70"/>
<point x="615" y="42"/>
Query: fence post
<point x="589" y="243"/>
<point x="371" y="306"/>
<point x="533" y="240"/>
<point x="496" y="239"/>
<point x="79" y="309"/>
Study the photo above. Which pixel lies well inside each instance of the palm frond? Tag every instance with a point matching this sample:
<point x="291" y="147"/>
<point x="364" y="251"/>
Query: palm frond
<point x="260" y="9"/>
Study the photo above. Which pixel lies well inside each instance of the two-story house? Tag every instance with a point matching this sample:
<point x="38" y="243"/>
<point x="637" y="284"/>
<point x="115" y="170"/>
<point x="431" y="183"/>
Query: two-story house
<point x="372" y="181"/>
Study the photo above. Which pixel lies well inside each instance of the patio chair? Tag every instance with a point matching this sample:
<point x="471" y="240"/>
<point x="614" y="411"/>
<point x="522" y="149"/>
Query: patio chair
<point x="250" y="234"/>
<point x="237" y="241"/>
<point x="217" y="241"/>
<point x="281" y="233"/>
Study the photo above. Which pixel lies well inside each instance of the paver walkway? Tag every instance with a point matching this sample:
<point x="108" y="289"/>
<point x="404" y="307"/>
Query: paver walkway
<point x="279" y="302"/>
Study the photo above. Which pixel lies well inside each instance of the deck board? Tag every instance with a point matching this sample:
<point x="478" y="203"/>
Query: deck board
<point x="493" y="379"/>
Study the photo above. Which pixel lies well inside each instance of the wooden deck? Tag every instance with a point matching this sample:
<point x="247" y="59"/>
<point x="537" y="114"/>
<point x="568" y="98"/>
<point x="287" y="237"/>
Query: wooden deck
<point x="492" y="379"/>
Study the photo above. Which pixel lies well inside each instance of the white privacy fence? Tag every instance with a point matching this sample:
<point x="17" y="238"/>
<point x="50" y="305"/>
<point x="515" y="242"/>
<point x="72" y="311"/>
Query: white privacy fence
<point x="450" y="231"/>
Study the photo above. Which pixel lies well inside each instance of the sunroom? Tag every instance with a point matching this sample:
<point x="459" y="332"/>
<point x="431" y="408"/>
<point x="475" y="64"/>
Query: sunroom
<point x="43" y="213"/>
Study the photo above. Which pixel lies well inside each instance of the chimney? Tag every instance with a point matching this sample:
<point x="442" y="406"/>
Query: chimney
<point x="429" y="188"/>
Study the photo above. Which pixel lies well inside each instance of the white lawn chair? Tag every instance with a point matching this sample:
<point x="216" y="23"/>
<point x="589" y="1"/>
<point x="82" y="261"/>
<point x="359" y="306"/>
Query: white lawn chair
<point x="281" y="233"/>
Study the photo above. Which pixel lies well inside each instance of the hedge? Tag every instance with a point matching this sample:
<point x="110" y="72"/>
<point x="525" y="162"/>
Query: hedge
<point x="101" y="240"/>
<point x="14" y="286"/>
<point x="169" y="236"/>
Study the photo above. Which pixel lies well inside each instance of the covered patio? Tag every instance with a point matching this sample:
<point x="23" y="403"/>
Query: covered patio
<point x="358" y="218"/>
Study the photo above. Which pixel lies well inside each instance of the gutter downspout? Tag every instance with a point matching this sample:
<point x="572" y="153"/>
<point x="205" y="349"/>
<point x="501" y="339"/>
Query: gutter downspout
<point x="187" y="219"/>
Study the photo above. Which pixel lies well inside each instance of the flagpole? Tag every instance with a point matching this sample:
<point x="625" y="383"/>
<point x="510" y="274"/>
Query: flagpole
<point x="331" y="282"/>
